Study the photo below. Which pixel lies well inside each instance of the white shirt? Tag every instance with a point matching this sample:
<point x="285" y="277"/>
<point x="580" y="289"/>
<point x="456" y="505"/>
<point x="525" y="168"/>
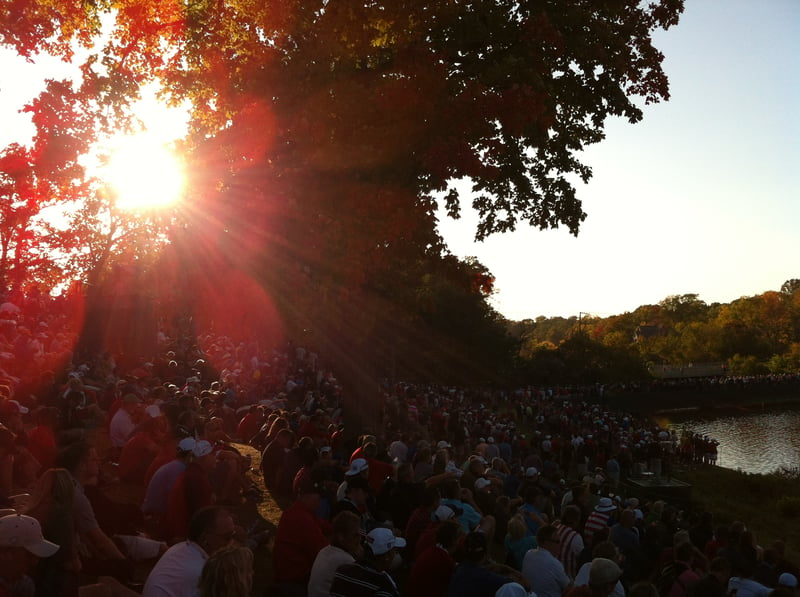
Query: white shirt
<point x="120" y="428"/>
<point x="544" y="573"/>
<point x="177" y="573"/>
<point x="582" y="579"/>
<point x="322" y="572"/>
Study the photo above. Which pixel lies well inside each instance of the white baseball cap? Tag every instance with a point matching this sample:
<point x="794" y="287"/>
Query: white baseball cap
<point x="202" y="448"/>
<point x="358" y="465"/>
<point x="481" y="483"/>
<point x="17" y="530"/>
<point x="381" y="541"/>
<point x="187" y="444"/>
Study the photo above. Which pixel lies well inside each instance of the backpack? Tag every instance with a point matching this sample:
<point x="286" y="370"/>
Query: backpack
<point x="669" y="576"/>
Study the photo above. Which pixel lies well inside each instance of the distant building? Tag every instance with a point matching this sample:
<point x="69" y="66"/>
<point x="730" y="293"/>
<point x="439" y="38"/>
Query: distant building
<point x="647" y="331"/>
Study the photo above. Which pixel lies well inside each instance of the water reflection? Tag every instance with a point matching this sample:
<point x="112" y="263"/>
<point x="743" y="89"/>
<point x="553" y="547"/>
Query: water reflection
<point x="753" y="442"/>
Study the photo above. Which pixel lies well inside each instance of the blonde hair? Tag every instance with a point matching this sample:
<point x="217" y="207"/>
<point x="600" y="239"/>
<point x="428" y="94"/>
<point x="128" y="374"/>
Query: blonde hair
<point x="53" y="487"/>
<point x="517" y="528"/>
<point x="228" y="572"/>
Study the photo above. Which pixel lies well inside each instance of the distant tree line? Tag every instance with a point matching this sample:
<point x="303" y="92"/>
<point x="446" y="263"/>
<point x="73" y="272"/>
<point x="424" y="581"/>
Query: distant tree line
<point x="749" y="336"/>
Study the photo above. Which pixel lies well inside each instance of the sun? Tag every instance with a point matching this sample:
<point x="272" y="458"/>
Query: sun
<point x="144" y="173"/>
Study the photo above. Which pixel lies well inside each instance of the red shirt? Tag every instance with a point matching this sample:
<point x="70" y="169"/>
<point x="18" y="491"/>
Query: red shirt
<point x="248" y="426"/>
<point x="419" y="520"/>
<point x="430" y="575"/>
<point x="379" y="471"/>
<point x="192" y="491"/>
<point x="137" y="455"/>
<point x="357" y="453"/>
<point x="42" y="444"/>
<point x="427" y="539"/>
<point x="298" y="540"/>
<point x="311" y="430"/>
<point x="166" y="454"/>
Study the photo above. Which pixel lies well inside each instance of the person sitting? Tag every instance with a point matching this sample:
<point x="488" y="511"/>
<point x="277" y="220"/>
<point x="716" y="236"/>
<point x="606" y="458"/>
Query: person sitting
<point x="472" y="577"/>
<point x="43" y="445"/>
<point x="570" y="538"/>
<point x="229" y="475"/>
<point x="140" y="450"/>
<point x="432" y="570"/>
<point x="603" y="550"/>
<point x="604" y="575"/>
<point x="743" y="585"/>
<point x="345" y="548"/>
<point x="124" y="421"/>
<point x="370" y="575"/>
<point x="517" y="541"/>
<point x="177" y="572"/>
<point x="541" y="567"/>
<point x="299" y="538"/>
<point x="228" y="572"/>
<point x="99" y="554"/>
<point x="21" y="547"/>
<point x="51" y="503"/>
<point x="355" y="501"/>
<point x="192" y="490"/>
<point x="156" y="497"/>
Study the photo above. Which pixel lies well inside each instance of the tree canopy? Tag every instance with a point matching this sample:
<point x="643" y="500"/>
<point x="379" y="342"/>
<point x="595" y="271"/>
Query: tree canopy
<point x="325" y="134"/>
<point x="402" y="96"/>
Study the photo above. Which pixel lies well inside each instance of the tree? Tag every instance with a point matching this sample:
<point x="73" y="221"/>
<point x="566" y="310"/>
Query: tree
<point x="790" y="286"/>
<point x="326" y="133"/>
<point x="404" y="95"/>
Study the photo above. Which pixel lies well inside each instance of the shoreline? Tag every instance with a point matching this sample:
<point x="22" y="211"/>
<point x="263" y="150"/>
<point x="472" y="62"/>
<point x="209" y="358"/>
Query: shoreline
<point x="692" y="400"/>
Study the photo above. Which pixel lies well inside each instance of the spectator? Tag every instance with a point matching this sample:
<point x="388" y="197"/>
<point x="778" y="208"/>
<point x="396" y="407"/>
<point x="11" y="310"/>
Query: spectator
<point x="51" y="503"/>
<point x="600" y="518"/>
<point x="345" y="548"/>
<point x="140" y="450"/>
<point x="178" y="571"/>
<point x="98" y="552"/>
<point x="602" y="579"/>
<point x="299" y="538"/>
<point x="21" y="547"/>
<point x="541" y="567"/>
<point x="604" y="550"/>
<point x="571" y="542"/>
<point x="517" y="541"/>
<point x="42" y="437"/>
<point x="715" y="583"/>
<point x="744" y="586"/>
<point x="431" y="573"/>
<point x="156" y="497"/>
<point x="228" y="572"/>
<point x="369" y="576"/>
<point x="124" y="420"/>
<point x="192" y="490"/>
<point x="473" y="577"/>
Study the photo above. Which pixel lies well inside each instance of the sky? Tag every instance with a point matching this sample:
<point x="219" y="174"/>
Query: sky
<point x="699" y="197"/>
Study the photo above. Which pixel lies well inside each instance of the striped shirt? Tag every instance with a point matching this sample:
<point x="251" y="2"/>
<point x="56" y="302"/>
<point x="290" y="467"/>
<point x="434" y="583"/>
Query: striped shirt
<point x="597" y="521"/>
<point x="360" y="580"/>
<point x="571" y="545"/>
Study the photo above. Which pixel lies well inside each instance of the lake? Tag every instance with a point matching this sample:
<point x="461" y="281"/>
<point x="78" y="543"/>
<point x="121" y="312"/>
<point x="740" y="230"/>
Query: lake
<point x="753" y="440"/>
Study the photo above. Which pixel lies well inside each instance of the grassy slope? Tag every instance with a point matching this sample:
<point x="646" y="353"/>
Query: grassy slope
<point x="752" y="499"/>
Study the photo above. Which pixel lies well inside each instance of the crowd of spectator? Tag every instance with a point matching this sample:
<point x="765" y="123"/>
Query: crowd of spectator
<point x="455" y="491"/>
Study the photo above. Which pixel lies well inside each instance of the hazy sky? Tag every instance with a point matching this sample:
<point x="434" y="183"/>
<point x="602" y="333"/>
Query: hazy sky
<point x="700" y="197"/>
